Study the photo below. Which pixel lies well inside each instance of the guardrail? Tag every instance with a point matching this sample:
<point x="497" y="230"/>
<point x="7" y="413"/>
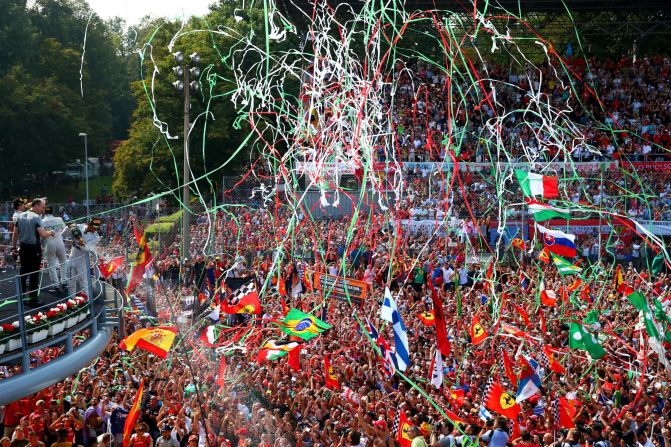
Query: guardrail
<point x="103" y="308"/>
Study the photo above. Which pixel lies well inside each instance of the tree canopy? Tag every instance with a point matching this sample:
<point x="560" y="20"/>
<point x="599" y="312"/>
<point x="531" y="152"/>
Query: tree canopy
<point x="46" y="102"/>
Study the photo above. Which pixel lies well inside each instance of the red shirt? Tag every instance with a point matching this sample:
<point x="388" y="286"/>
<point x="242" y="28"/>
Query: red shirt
<point x="143" y="440"/>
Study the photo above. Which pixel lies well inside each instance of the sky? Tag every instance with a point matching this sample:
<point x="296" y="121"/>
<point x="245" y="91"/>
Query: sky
<point x="133" y="10"/>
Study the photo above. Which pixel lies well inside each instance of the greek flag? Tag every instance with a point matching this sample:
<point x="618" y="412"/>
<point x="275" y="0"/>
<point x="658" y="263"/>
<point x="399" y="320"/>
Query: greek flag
<point x="390" y="313"/>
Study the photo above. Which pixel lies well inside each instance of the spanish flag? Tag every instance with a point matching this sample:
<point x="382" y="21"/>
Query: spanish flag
<point x="156" y="340"/>
<point x="303" y="325"/>
<point x="331" y="379"/>
<point x="107" y="268"/>
<point x="142" y="260"/>
<point x="478" y="333"/>
<point x="133" y="415"/>
<point x="428" y="318"/>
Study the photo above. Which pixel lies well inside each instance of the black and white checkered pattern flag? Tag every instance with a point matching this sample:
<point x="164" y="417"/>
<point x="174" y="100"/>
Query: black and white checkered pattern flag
<point x="397" y="421"/>
<point x="555" y="410"/>
<point x="244" y="290"/>
<point x="544" y="362"/>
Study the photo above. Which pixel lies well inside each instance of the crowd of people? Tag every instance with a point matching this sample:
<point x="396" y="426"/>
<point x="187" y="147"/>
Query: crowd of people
<point x="622" y="399"/>
<point x="339" y="388"/>
<point x="634" y="98"/>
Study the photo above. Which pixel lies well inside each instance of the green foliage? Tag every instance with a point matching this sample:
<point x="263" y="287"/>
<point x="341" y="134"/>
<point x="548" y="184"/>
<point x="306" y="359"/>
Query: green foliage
<point x="149" y="160"/>
<point x="160" y="227"/>
<point x="172" y="218"/>
<point x="43" y="108"/>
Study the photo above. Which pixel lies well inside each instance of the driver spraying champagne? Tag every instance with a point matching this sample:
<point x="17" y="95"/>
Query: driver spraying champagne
<point x="84" y="240"/>
<point x="56" y="259"/>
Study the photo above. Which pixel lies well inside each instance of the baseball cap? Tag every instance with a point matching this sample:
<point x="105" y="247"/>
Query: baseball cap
<point x="382" y="425"/>
<point x="95" y="222"/>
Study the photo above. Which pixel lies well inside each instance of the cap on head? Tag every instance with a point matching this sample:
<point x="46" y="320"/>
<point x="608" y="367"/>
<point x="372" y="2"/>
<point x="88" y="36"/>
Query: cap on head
<point x="95" y="222"/>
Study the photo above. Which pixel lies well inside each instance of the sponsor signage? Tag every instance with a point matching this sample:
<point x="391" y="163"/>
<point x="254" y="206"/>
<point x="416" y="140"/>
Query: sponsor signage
<point x="341" y="288"/>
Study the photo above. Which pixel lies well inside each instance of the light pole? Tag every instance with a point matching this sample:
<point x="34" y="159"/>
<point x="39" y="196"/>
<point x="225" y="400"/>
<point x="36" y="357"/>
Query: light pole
<point x="86" y="171"/>
<point x="183" y="71"/>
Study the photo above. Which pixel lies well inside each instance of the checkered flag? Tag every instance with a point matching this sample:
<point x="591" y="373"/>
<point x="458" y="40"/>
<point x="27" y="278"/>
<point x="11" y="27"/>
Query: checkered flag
<point x="555" y="411"/>
<point x="490" y="382"/>
<point x="544" y="362"/>
<point x="397" y="421"/>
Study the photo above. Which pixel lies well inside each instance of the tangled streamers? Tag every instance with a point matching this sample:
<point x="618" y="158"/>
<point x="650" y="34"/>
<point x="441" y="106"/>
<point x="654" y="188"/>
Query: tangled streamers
<point x="410" y="127"/>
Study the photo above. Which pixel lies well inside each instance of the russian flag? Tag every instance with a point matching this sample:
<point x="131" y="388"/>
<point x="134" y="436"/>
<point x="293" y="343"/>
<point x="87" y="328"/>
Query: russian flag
<point x="558" y="242"/>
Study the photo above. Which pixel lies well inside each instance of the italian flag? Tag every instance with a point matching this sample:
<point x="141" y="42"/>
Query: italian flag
<point x="537" y="184"/>
<point x="542" y="211"/>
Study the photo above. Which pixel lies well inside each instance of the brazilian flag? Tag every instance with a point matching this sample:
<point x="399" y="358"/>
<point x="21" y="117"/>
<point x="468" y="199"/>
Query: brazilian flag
<point x="303" y="325"/>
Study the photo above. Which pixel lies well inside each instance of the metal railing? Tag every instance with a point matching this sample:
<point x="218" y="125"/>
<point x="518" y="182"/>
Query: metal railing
<point x="104" y="307"/>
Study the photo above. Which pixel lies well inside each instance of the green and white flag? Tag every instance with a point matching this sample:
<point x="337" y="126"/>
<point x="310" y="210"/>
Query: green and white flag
<point x="565" y="267"/>
<point x="580" y="338"/>
<point x="542" y="211"/>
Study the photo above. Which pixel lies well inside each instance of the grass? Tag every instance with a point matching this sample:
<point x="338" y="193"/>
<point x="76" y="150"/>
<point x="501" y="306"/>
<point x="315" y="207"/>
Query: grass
<point x="61" y="193"/>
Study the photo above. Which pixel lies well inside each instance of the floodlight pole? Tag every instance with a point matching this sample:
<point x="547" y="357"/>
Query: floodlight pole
<point x="186" y="237"/>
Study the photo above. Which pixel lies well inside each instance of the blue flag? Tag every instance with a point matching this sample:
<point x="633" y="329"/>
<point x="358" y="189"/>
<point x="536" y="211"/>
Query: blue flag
<point x="389" y="312"/>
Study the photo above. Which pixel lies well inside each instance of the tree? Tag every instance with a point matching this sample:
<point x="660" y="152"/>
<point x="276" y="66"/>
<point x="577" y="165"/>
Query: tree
<point x="216" y="135"/>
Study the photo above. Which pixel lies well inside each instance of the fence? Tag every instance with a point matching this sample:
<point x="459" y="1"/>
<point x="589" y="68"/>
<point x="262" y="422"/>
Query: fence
<point x="41" y="327"/>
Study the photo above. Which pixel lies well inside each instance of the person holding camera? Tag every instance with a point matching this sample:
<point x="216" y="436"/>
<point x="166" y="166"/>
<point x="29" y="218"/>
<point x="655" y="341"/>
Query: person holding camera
<point x="82" y="255"/>
<point x="495" y="433"/>
<point x="27" y="233"/>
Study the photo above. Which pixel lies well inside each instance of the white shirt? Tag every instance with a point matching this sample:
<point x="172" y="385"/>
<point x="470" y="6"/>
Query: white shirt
<point x="56" y="224"/>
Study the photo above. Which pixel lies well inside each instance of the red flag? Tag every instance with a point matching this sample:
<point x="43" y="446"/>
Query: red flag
<point x="544" y="256"/>
<point x="329" y="375"/>
<point x="107" y="268"/>
<point x="402" y="436"/>
<point x="294" y="356"/>
<point x="515" y="332"/>
<point x="574" y="285"/>
<point x="544" y="325"/>
<point x="453" y="417"/>
<point x="478" y="333"/>
<point x="518" y="243"/>
<point x="285" y="308"/>
<point x="428" y="318"/>
<point x="509" y="367"/>
<point x="244" y="300"/>
<point x="567" y="411"/>
<point x="548" y="297"/>
<point x="458" y="397"/>
<point x="133" y="415"/>
<point x="497" y="400"/>
<point x="523" y="313"/>
<point x="282" y="287"/>
<point x="554" y="364"/>
<point x="221" y="372"/>
<point x="489" y="275"/>
<point x="441" y="326"/>
<point x="585" y="293"/>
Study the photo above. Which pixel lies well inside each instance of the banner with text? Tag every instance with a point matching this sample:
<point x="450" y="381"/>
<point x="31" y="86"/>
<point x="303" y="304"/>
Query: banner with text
<point x="340" y="288"/>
